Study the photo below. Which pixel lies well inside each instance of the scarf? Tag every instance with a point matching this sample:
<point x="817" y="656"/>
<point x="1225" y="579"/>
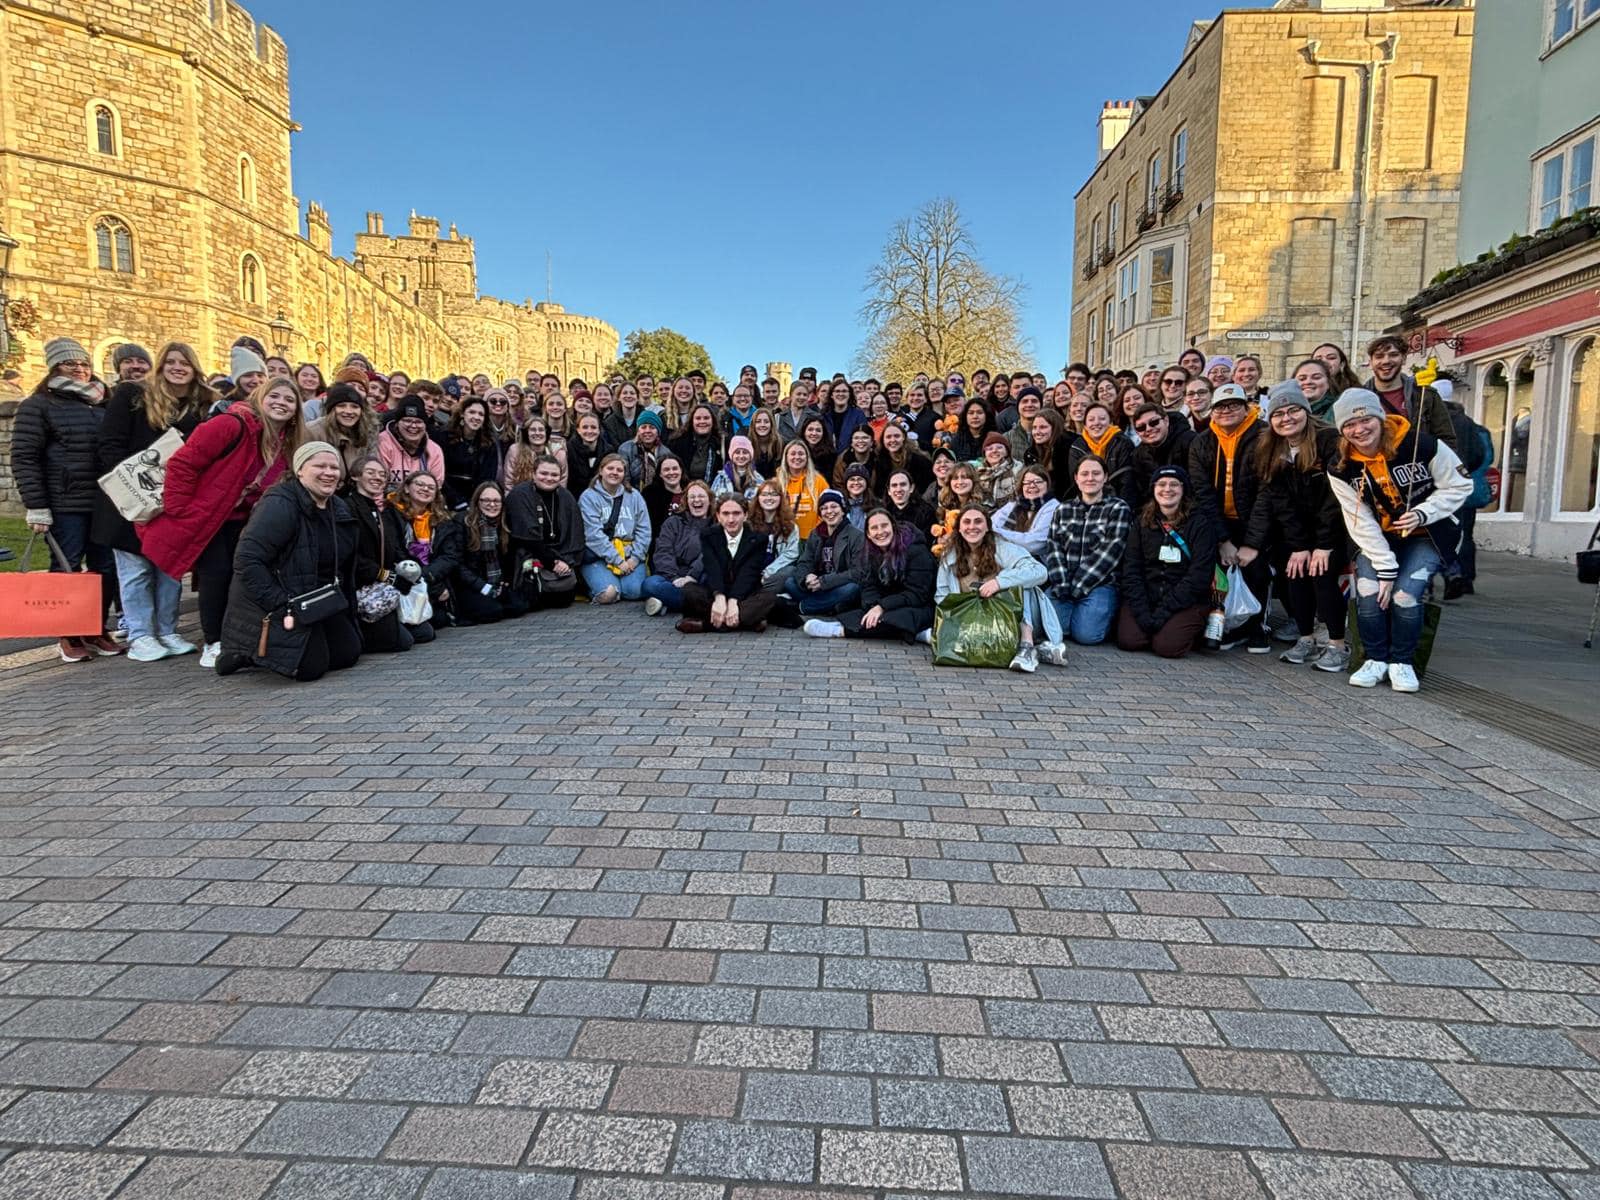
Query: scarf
<point x="488" y="534"/>
<point x="1102" y="443"/>
<point x="90" y="392"/>
<point x="1387" y="501"/>
<point x="1227" y="449"/>
<point x="647" y="467"/>
<point x="1023" y="511"/>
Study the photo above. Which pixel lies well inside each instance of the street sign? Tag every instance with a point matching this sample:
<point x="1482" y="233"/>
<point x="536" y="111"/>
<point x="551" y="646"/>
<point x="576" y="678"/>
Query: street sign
<point x="1260" y="335"/>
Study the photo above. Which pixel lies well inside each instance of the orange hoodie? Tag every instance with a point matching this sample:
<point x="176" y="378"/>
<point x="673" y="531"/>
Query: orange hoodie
<point x="1227" y="448"/>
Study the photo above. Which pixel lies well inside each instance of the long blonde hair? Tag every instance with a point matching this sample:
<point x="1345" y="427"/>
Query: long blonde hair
<point x="163" y="408"/>
<point x="294" y="429"/>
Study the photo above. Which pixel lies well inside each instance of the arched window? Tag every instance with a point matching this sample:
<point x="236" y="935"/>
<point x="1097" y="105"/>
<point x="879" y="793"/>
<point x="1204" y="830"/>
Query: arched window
<point x="247" y="179"/>
<point x="102" y="128"/>
<point x="250" y="279"/>
<point x="113" y="245"/>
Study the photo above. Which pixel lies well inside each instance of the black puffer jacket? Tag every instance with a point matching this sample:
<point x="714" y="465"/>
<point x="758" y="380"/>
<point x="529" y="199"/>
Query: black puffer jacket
<point x="55" y="443"/>
<point x="1121" y="477"/>
<point x="448" y="542"/>
<point x="1154" y="590"/>
<point x="468" y="463"/>
<point x="281" y="554"/>
<point x="125" y="431"/>
<point x="1208" y="477"/>
<point x="1172" y="451"/>
<point x="1297" y="510"/>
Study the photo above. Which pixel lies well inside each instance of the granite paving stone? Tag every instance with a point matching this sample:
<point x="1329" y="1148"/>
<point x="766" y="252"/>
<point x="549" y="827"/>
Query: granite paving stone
<point x="727" y="1150"/>
<point x="65" y="1118"/>
<point x="476" y="1136"/>
<point x="187" y="1178"/>
<point x="65" y="1174"/>
<point x="328" y="1129"/>
<point x="194" y="1123"/>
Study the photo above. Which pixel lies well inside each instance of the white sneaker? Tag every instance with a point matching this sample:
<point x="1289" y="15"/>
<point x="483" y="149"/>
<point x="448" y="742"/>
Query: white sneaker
<point x="926" y="636"/>
<point x="208" y="656"/>
<point x="176" y="644"/>
<point x="1402" y="678"/>
<point x="653" y="607"/>
<point x="147" y="649"/>
<point x="1369" y="674"/>
<point x="1054" y="653"/>
<point x="823" y="629"/>
<point x="1026" y="659"/>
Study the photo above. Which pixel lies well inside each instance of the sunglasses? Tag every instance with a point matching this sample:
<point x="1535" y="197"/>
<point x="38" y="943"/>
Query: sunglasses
<point x="1147" y="426"/>
<point x="1172" y="382"/>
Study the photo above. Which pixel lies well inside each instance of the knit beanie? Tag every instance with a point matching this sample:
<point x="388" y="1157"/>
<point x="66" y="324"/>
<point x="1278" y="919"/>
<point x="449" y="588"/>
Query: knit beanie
<point x="245" y="361"/>
<point x="351" y="374"/>
<point x="126" y="351"/>
<point x="307" y="451"/>
<point x="250" y="344"/>
<point x="857" y="471"/>
<point x="410" y="406"/>
<point x="1356" y="402"/>
<point x="1219" y="360"/>
<point x="1170" y="472"/>
<point x="739" y="440"/>
<point x="343" y="393"/>
<point x="1286" y="395"/>
<point x="64" y="350"/>
<point x="650" y="418"/>
<point x="830" y="496"/>
<point x="995" y="439"/>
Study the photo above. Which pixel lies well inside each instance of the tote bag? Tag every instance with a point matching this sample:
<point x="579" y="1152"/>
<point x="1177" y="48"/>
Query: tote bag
<point x="63" y="603"/>
<point x="971" y="631"/>
<point x="134" y="484"/>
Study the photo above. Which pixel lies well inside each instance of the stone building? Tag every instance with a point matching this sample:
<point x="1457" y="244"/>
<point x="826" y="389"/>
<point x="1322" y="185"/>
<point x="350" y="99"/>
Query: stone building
<point x="1519" y="321"/>
<point x="1257" y="202"/>
<point x="149" y="188"/>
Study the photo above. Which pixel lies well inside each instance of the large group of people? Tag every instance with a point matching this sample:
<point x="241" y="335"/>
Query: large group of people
<point x="322" y="519"/>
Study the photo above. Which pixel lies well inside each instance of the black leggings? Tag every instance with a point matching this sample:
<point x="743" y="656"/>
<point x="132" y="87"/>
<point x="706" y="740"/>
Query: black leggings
<point x="332" y="645"/>
<point x="1313" y="598"/>
<point x="482" y="610"/>
<point x="213" y="572"/>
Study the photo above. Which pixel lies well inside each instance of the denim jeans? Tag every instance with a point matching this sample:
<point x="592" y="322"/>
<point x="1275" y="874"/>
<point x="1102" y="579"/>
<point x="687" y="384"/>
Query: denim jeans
<point x="150" y="596"/>
<point x="823" y="603"/>
<point x="1390" y="635"/>
<point x="599" y="577"/>
<point x="659" y="587"/>
<point x="1087" y="621"/>
<point x="71" y="531"/>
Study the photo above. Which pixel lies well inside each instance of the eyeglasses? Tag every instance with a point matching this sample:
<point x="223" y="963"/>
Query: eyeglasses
<point x="1222" y="404"/>
<point x="1147" y="426"/>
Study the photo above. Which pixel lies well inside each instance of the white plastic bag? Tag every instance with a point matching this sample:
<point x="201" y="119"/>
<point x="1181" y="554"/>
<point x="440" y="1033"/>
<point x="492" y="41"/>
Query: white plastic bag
<point x="1241" y="604"/>
<point x="415" y="607"/>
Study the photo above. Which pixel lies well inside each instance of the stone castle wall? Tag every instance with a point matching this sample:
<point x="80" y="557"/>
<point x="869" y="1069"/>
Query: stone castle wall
<point x="201" y="176"/>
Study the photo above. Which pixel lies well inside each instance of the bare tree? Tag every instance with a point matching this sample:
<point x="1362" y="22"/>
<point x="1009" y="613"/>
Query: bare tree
<point x="932" y="306"/>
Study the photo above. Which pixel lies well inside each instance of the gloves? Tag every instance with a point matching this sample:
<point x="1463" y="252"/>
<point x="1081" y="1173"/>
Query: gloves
<point x="408" y="570"/>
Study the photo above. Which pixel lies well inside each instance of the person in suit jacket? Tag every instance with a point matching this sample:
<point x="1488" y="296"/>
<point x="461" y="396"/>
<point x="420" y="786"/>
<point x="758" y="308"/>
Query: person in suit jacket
<point x="729" y="594"/>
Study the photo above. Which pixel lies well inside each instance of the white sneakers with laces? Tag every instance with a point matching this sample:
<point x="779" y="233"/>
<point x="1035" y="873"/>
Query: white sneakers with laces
<point x="1403" y="678"/>
<point x="176" y="645"/>
<point x="1369" y="674"/>
<point x="823" y="629"/>
<point x="147" y="649"/>
<point x="208" y="656"/>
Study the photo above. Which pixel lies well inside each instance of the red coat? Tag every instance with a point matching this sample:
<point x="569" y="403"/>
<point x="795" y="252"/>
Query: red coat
<point x="206" y="480"/>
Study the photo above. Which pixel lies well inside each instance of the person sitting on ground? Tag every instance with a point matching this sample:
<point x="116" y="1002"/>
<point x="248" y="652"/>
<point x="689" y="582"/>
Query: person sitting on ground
<point x="896" y="576"/>
<point x="1399" y="488"/>
<point x="1083" y="553"/>
<point x="729" y="594"/>
<point x="547" y="531"/>
<point x="617" y="531"/>
<point x="767" y="517"/>
<point x="1025" y="521"/>
<point x="822" y="583"/>
<point x="1167" y="565"/>
<point x="377" y="560"/>
<point x="483" y="585"/>
<point x="300" y="539"/>
<point x="419" y="522"/>
<point x="979" y="562"/>
<point x="676" y="558"/>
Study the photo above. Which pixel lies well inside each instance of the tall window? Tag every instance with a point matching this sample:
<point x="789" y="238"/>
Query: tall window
<point x="1180" y="157"/>
<point x="1580" y="458"/>
<point x="1128" y="294"/>
<point x="250" y="279"/>
<point x="1152" y="180"/>
<point x="104" y="128"/>
<point x="1092" y="343"/>
<point x="113" y="245"/>
<point x="1564" y="179"/>
<point x="1094" y="239"/>
<point x="1114" y="224"/>
<point x="1507" y="397"/>
<point x="1161" y="260"/>
<point x="247" y="179"/>
<point x="1108" y="328"/>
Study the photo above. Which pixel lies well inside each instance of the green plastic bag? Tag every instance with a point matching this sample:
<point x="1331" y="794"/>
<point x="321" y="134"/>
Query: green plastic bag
<point x="1431" y="612"/>
<point x="970" y="631"/>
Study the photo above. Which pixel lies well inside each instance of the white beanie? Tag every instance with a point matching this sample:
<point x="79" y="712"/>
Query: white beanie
<point x="245" y="361"/>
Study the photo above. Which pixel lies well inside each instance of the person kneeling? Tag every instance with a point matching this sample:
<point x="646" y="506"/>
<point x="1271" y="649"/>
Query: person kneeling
<point x="1166" y="570"/>
<point x="291" y="601"/>
<point x="483" y="580"/>
<point x="729" y="595"/>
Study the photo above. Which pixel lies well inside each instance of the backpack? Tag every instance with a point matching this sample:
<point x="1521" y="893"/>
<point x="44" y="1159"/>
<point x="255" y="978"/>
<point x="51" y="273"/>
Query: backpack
<point x="1483" y="490"/>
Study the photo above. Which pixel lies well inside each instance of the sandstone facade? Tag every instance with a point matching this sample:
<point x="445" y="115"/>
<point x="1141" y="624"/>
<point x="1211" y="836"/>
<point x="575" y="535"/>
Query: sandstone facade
<point x="149" y="188"/>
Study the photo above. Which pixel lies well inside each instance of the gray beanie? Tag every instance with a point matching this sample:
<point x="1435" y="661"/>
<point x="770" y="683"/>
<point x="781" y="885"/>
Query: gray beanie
<point x="64" y="350"/>
<point x="126" y="351"/>
<point x="309" y="450"/>
<point x="1356" y="402"/>
<point x="1286" y="395"/>
<point x="245" y="361"/>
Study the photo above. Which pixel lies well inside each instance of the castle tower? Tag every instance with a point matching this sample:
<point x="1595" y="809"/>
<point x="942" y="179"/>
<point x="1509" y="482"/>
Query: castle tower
<point x="783" y="373"/>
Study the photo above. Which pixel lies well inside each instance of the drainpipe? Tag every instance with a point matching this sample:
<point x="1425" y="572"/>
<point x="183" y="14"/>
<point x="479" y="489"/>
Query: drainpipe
<point x="1368" y="70"/>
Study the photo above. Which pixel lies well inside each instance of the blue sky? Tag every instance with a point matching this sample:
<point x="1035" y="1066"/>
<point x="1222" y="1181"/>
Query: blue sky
<point x="729" y="168"/>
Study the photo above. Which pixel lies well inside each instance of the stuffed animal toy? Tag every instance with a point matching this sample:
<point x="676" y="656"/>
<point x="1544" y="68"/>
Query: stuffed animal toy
<point x="943" y="530"/>
<point x="944" y="430"/>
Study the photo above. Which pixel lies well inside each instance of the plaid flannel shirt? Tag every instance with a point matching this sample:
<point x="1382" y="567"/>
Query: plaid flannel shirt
<point x="1085" y="546"/>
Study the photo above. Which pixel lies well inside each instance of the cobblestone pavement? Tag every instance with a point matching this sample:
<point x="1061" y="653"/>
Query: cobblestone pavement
<point x="582" y="908"/>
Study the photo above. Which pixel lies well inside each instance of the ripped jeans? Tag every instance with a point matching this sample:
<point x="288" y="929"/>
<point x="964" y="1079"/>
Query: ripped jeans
<point x="1390" y="635"/>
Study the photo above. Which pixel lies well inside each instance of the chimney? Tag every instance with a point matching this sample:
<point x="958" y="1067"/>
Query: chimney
<point x="375" y="223"/>
<point x="1115" y="117"/>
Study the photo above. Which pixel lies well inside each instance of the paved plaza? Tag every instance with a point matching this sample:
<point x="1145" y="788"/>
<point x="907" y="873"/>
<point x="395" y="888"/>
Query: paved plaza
<point x="583" y="908"/>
